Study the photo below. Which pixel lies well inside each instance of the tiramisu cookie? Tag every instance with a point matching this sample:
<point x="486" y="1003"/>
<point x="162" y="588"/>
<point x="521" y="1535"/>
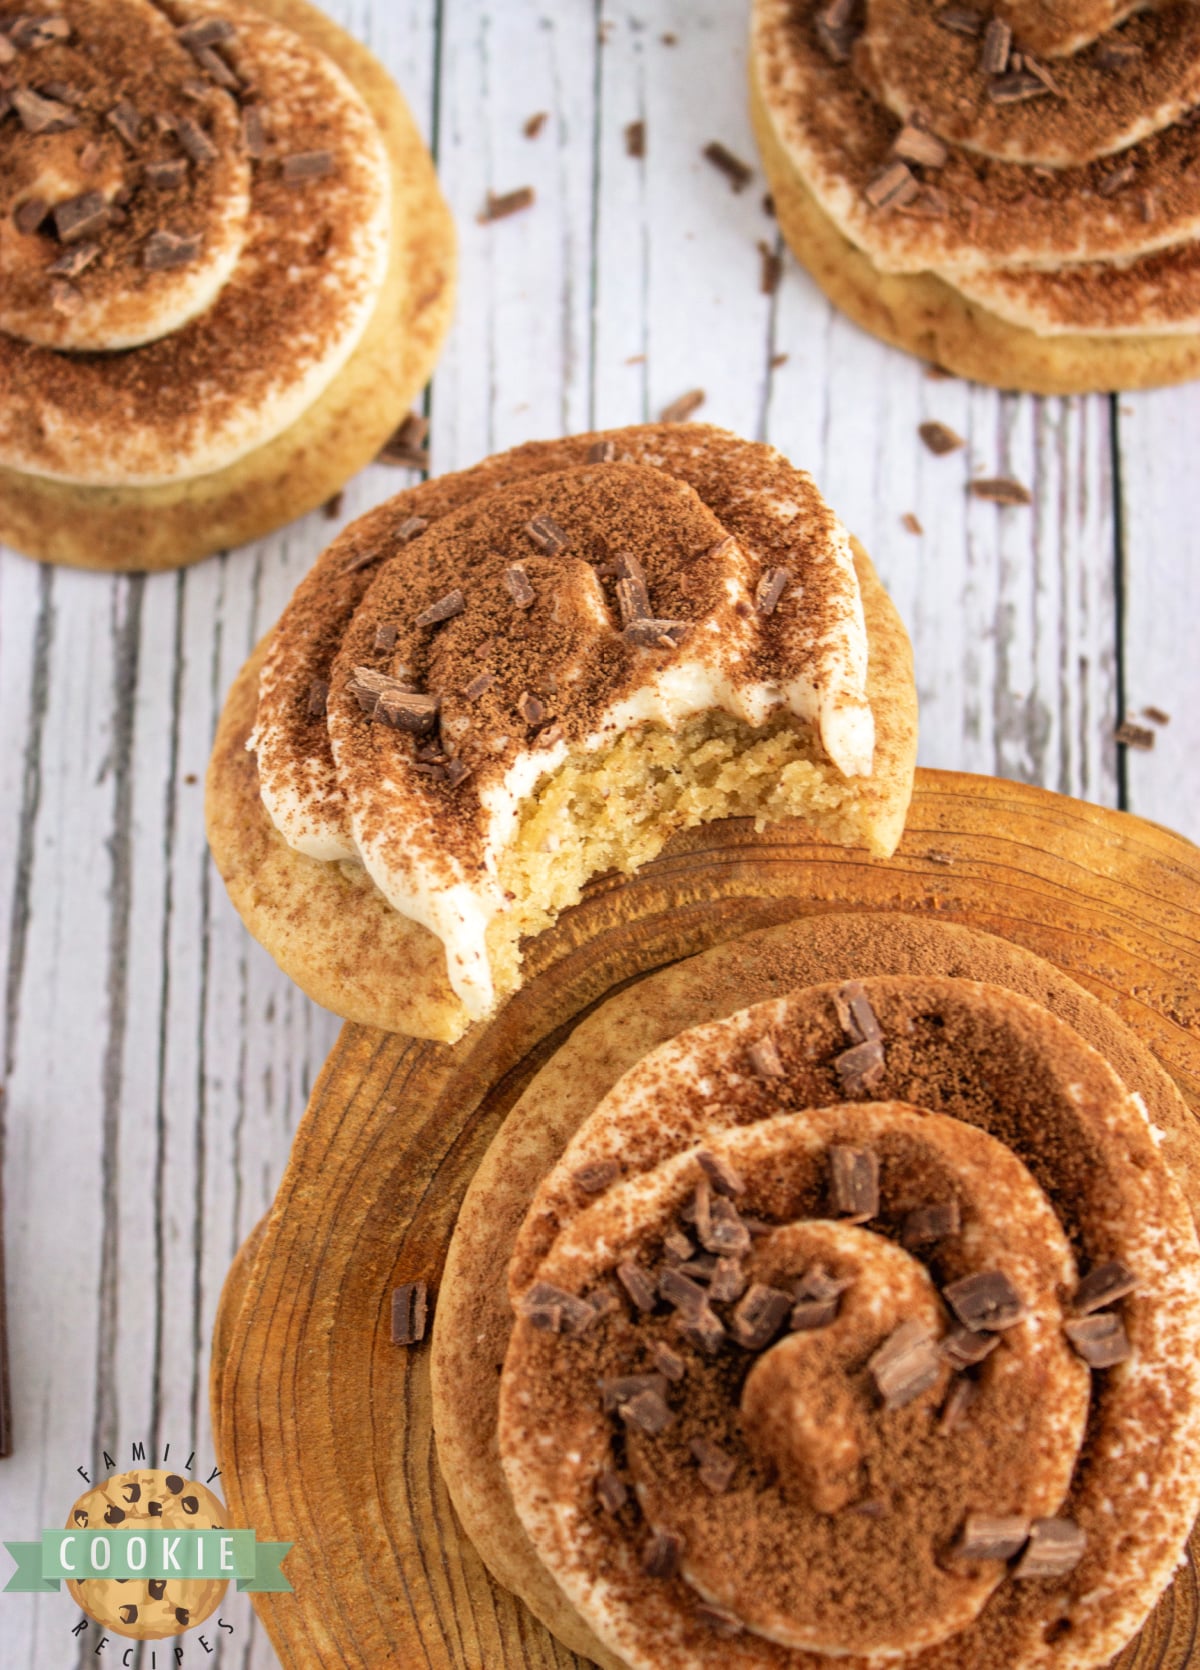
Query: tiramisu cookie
<point x="225" y="268"/>
<point x="512" y="679"/>
<point x="1009" y="193"/>
<point x="861" y="1322"/>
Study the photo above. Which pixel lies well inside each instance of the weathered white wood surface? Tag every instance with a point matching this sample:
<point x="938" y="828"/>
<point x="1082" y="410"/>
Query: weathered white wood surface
<point x="155" y="1061"/>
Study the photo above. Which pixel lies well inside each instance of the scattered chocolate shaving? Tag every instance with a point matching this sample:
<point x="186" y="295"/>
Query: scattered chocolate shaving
<point x="407" y="710"/>
<point x="547" y="535"/>
<point x="646" y="1412"/>
<point x="961" y="20"/>
<point x="1055" y="1547"/>
<point x="593" y="1179"/>
<point x="206" y="31"/>
<point x="738" y="173"/>
<point x="764" y="1059"/>
<point x="478" y="685"/>
<point x="940" y="438"/>
<point x="410" y="1312"/>
<point x="216" y="69"/>
<point x="194" y="140"/>
<point x="28" y="216"/>
<point x="457" y="771"/>
<point x="1099" y="1339"/>
<point x="444" y="609"/>
<point x="1112" y="183"/>
<point x="618" y="1389"/>
<point x="680" y="1290"/>
<point x="716" y="1467"/>
<point x="386" y="634"/>
<point x="502" y="204"/>
<point x="1104" y="1285"/>
<point x="41" y="115"/>
<point x="1016" y="88"/>
<point x="679" y="411"/>
<point x="959" y="1399"/>
<point x="811" y="1313"/>
<point x="719" y="1228"/>
<point x="519" y="587"/>
<point x="1129" y="735"/>
<point x="668" y="1362"/>
<point x="367" y="685"/>
<point x="910" y="523"/>
<point x="759" y="1315"/>
<point x="611" y="1490"/>
<point x="818" y="1283"/>
<point x="727" y="1281"/>
<point x="854" y="1182"/>
<point x="553" y="1310"/>
<point x="905" y="1365"/>
<point x="407" y="446"/>
<point x="1116" y="55"/>
<point x="128" y="124"/>
<point x="534" y="124"/>
<point x="895" y="183"/>
<point x="254" y="132"/>
<point x="302" y="166"/>
<point x="836" y="32"/>
<point x="856" y="1017"/>
<point x="913" y="144"/>
<point x="602" y="452"/>
<point x="656" y="634"/>
<point x="725" y="1179"/>
<point x="703" y="1328"/>
<point x="530" y="708"/>
<point x="986" y="1302"/>
<point x="997" y="44"/>
<point x="770" y="270"/>
<point x="635" y="139"/>
<point x="165" y="176"/>
<point x="75" y="260"/>
<point x="662" y="1554"/>
<point x="33" y="33"/>
<point x="999" y="490"/>
<point x="930" y="1223"/>
<point x="990" y="1536"/>
<point x="1034" y="66"/>
<point x="632" y="600"/>
<point x="638" y="1283"/>
<point x="318" y="697"/>
<point x="718" y="1619"/>
<point x="770" y="590"/>
<point x="777" y="360"/>
<point x="677" y="1246"/>
<point x="163" y="250"/>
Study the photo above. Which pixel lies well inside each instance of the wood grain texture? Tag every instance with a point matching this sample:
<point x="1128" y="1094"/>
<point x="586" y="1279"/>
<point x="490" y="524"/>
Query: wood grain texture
<point x="324" y="1425"/>
<point x="155" y="1060"/>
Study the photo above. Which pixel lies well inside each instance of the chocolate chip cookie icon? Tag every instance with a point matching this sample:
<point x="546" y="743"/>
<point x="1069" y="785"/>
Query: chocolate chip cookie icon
<point x="148" y="1501"/>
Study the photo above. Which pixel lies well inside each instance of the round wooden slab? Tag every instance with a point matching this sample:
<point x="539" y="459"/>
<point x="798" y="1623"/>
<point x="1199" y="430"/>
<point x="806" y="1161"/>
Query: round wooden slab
<point x="323" y="1425"/>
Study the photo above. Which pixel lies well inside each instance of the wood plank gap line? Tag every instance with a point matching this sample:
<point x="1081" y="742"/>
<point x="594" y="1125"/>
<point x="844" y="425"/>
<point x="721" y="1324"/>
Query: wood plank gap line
<point x="1120" y="580"/>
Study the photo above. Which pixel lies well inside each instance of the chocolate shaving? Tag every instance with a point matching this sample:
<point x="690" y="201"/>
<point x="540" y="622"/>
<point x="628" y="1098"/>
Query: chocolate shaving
<point x="770" y="269"/>
<point x="959" y="1399"/>
<point x="738" y="173"/>
<point x="553" y="1310"/>
<point x="318" y="698"/>
<point x="444" y="609"/>
<point x="719" y="1229"/>
<point x="1034" y="66"/>
<point x="716" y="1467"/>
<point x="611" y="1490"/>
<point x="33" y="33"/>
<point x="770" y="589"/>
<point x="500" y="205"/>
<point x="41" y="115"/>
<point x="128" y="124"/>
<point x="960" y="20"/>
<point x="216" y="69"/>
<point x="407" y="710"/>
<point x="635" y="140"/>
<point x="677" y="1246"/>
<point x="718" y="1619"/>
<point x="668" y="1362"/>
<point x="836" y="39"/>
<point x="165" y="176"/>
<point x="302" y="166"/>
<point x="30" y="214"/>
<point x="410" y="528"/>
<point x="618" y="1389"/>
<point x="1156" y="714"/>
<point x="894" y="183"/>
<point x="386" y="634"/>
<point x="593" y="1179"/>
<point x="997" y="44"/>
<point x="602" y="452"/>
<point x="818" y="1283"/>
<point x="913" y="144"/>
<point x="854" y="1182"/>
<point x="194" y="140"/>
<point x="1104" y="1286"/>
<point x="1099" y="1339"/>
<point x="254" y="132"/>
<point x="905" y="1365"/>
<point x="1116" y="55"/>
<point x="478" y="685"/>
<point x="930" y="1223"/>
<point x="1016" y="88"/>
<point x="990" y="1536"/>
<point x="638" y="1283"/>
<point x="940" y="438"/>
<point x="206" y="31"/>
<point x="164" y="250"/>
<point x="661" y="1555"/>
<point x="457" y="771"/>
<point x="656" y="634"/>
<point x="410" y="1313"/>
<point x="633" y="601"/>
<point x="534" y="124"/>
<point x="530" y="708"/>
<point x="547" y="535"/>
<point x="703" y="1327"/>
<point x="1129" y="735"/>
<point x="75" y="260"/>
<point x="517" y="581"/>
<point x="759" y="1316"/>
<point x="999" y="490"/>
<point x="765" y="1060"/>
<point x="679" y="411"/>
<point x="727" y="1281"/>
<point x="1055" y="1547"/>
<point x="367" y="685"/>
<point x="725" y="1179"/>
<point x="646" y="1412"/>
<point x="808" y="1314"/>
<point x="985" y="1302"/>
<point x="680" y="1290"/>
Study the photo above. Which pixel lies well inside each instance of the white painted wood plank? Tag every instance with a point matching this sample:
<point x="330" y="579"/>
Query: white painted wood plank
<point x="1161" y="588"/>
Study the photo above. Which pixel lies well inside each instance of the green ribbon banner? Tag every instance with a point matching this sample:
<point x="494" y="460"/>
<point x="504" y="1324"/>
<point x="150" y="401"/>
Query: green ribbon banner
<point x="160" y="1553"/>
